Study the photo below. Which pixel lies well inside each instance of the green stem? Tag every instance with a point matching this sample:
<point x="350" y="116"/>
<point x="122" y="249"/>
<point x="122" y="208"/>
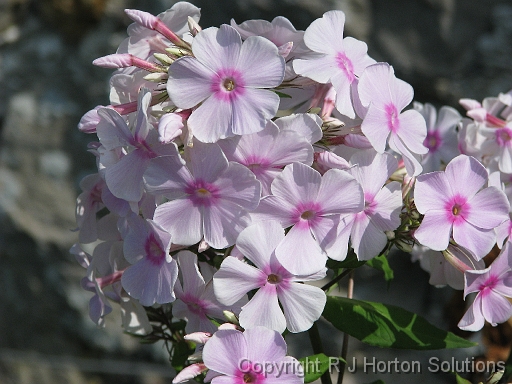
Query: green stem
<point x="344" y="347"/>
<point x="316" y="343"/>
<point x="337" y="279"/>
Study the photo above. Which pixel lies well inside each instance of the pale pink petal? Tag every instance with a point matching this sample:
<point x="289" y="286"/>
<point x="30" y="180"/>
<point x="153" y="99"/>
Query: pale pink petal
<point x="223" y="352"/>
<point x="234" y="279"/>
<point x="339" y="248"/>
<point x="318" y="69"/>
<point x="374" y="127"/>
<point x="193" y="282"/>
<point x="367" y="239"/>
<point x="489" y="208"/>
<point x="300" y="253"/>
<point x="252" y="110"/>
<point x="495" y="308"/>
<point x="388" y="205"/>
<point x="191" y="75"/>
<point x="182" y="219"/>
<point x="411" y="160"/>
<point x="473" y="320"/>
<point x="302" y="305"/>
<point x="307" y="125"/>
<point x="324" y="230"/>
<point x="297" y="183"/>
<point x="402" y="93"/>
<point x="431" y="191"/>
<point x="207" y="161"/>
<point x="474" y="279"/>
<point x="325" y="35"/>
<point x="217" y="48"/>
<point x="263" y="310"/>
<point x="260" y="63"/>
<point x="265" y="345"/>
<point x="372" y="169"/>
<point x="275" y="208"/>
<point x="212" y="120"/>
<point x="239" y="186"/>
<point x="124" y="178"/>
<point x="168" y="175"/>
<point x="466" y="175"/>
<point x="150" y="283"/>
<point x="342" y="83"/>
<point x="112" y="129"/>
<point x="374" y="86"/>
<point x="477" y="240"/>
<point x="413" y="131"/>
<point x="434" y="231"/>
<point x="223" y="221"/>
<point x="258" y="241"/>
<point x="340" y="192"/>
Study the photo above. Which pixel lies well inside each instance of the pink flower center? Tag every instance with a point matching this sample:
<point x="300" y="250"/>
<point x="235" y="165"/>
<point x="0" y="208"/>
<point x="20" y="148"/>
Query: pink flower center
<point x="392" y="117"/>
<point x="250" y="373"/>
<point x="488" y="285"/>
<point x="307" y="215"/>
<point x="202" y="193"/>
<point x="457" y="209"/>
<point x="345" y="65"/>
<point x="257" y="165"/>
<point x="432" y="141"/>
<point x="154" y="252"/>
<point x="195" y="305"/>
<point x="227" y="84"/>
<point x="503" y="137"/>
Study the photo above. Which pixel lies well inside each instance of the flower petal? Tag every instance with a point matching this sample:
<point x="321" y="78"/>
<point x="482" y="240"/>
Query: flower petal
<point x="263" y="310"/>
<point x="302" y="304"/>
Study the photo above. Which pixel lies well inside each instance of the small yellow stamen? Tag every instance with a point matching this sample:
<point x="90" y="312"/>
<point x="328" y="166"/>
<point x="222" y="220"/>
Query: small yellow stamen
<point x="456" y="210"/>
<point x="273" y="279"/>
<point x="202" y="192"/>
<point x="229" y="84"/>
<point x="307" y="215"/>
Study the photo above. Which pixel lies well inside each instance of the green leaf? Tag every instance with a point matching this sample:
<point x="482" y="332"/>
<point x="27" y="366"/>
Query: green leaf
<point x="461" y="380"/>
<point x="388" y="326"/>
<point x="181" y="352"/>
<point x="350" y="262"/>
<point x="283" y="95"/>
<point x="381" y="263"/>
<point x="315" y="366"/>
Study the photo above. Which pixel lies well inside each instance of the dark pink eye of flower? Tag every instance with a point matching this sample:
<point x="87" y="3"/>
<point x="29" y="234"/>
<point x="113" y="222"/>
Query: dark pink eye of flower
<point x="432" y="141"/>
<point x="273" y="279"/>
<point x="202" y="193"/>
<point x="488" y="284"/>
<point x="345" y="65"/>
<point x="503" y="137"/>
<point x="392" y="118"/>
<point x="154" y="252"/>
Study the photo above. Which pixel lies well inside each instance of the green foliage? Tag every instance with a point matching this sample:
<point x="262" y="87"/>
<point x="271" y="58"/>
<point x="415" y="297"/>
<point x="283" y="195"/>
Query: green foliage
<point x="388" y="326"/>
<point x="315" y="366"/>
<point x="381" y="263"/>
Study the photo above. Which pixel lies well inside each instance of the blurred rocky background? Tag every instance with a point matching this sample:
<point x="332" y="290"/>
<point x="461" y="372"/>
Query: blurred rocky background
<point x="447" y="49"/>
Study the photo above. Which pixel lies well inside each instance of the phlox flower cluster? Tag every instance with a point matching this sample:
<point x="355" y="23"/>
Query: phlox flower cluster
<point x="234" y="162"/>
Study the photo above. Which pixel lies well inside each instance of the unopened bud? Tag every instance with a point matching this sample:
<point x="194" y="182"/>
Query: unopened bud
<point x="231" y="317"/>
<point x="164" y="59"/>
<point x="193" y="27"/>
<point x="156" y="77"/>
<point x="403" y="246"/>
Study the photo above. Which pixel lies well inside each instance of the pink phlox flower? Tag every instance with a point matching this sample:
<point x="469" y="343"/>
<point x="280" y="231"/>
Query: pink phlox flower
<point x="227" y="78"/>
<point x="302" y="304"/>
<point x="306" y="125"/>
<point x="279" y="31"/>
<point x="385" y="97"/>
<point x="143" y="42"/>
<point x="341" y="60"/>
<point x="196" y="301"/>
<point x="208" y="197"/>
<point x="124" y="177"/>
<point x="153" y="273"/>
<point x="441" y="271"/>
<point x="441" y="140"/>
<point x="266" y="152"/>
<point x="256" y="356"/>
<point x="489" y="112"/>
<point x="90" y="120"/>
<point x="497" y="146"/>
<point x="325" y="160"/>
<point x="382" y="205"/>
<point x="493" y="286"/>
<point x="311" y="205"/>
<point x="125" y="88"/>
<point x="455" y="203"/>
